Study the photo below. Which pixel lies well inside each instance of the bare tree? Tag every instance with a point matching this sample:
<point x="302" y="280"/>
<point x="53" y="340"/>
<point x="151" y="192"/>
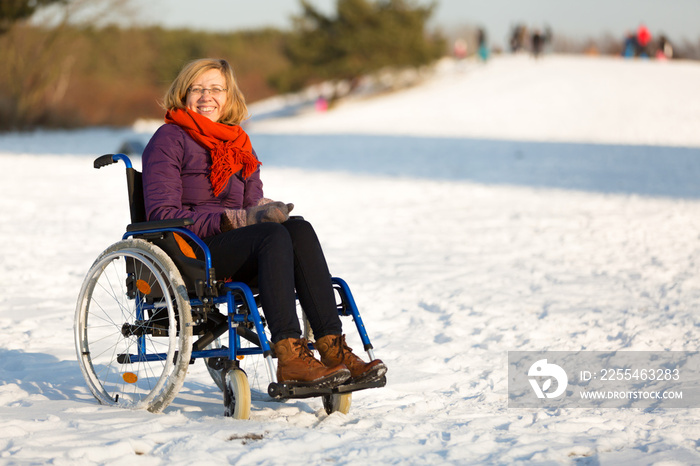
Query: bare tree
<point x="38" y="56"/>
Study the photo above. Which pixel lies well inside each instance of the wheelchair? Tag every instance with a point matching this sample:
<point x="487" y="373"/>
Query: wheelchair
<point x="150" y="305"/>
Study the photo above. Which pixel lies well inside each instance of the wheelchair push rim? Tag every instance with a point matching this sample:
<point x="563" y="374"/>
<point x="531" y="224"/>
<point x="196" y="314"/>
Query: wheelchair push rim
<point x="133" y="327"/>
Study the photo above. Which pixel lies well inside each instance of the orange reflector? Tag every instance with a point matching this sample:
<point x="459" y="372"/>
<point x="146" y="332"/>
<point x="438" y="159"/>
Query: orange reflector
<point x="240" y="357"/>
<point x="130" y="377"/>
<point x="143" y="287"/>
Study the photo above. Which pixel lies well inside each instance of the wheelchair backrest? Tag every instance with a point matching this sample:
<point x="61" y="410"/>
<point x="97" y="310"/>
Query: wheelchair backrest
<point x="191" y="268"/>
<point x="134" y="183"/>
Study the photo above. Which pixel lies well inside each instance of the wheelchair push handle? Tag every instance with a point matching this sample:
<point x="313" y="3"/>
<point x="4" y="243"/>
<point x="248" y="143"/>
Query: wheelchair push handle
<point x="109" y="159"/>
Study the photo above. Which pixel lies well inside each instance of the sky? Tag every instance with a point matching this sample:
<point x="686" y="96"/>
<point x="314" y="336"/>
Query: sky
<point x="577" y="19"/>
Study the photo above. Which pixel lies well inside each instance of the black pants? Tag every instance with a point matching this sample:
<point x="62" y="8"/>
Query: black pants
<point x="280" y="258"/>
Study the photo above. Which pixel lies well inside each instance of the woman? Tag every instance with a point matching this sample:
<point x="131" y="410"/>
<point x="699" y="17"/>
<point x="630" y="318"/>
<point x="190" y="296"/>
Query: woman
<point x="201" y="165"/>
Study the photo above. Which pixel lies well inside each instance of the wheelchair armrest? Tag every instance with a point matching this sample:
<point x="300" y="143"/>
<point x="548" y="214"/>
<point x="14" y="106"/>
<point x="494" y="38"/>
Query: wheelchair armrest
<point x="157" y="224"/>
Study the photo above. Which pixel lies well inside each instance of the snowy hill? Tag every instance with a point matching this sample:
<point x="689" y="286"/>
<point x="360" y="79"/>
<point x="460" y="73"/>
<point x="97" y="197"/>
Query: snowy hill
<point x="517" y="205"/>
<point x="560" y="98"/>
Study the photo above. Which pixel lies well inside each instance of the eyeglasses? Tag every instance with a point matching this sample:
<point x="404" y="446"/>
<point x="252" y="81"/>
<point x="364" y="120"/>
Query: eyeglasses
<point x="216" y="90"/>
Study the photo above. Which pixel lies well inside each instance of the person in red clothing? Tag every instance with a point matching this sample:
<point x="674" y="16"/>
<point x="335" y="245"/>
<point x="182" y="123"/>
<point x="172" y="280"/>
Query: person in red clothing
<point x="201" y="165"/>
<point x="643" y="40"/>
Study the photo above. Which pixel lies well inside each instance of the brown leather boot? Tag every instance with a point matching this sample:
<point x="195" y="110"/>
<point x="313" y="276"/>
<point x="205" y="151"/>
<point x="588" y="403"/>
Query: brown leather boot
<point x="296" y="365"/>
<point x="335" y="351"/>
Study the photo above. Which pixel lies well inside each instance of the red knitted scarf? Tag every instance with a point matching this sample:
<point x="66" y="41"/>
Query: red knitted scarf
<point x="229" y="146"/>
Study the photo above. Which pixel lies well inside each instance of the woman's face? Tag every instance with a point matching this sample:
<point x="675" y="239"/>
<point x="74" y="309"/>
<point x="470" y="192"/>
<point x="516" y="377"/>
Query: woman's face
<point x="207" y="94"/>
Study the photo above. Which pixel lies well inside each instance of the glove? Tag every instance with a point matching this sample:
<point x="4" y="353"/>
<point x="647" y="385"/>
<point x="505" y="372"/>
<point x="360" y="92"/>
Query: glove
<point x="270" y="212"/>
<point x="277" y="212"/>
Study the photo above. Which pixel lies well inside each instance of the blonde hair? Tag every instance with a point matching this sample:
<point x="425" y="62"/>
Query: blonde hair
<point x="235" y="109"/>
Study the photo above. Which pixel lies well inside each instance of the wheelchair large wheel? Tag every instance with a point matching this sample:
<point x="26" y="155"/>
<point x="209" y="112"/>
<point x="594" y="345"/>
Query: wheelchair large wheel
<point x="133" y="327"/>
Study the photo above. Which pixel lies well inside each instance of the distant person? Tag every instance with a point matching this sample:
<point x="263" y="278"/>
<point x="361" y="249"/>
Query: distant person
<point x="321" y="104"/>
<point x="483" y="46"/>
<point x="629" y="49"/>
<point x="460" y="49"/>
<point x="517" y="38"/>
<point x="201" y="165"/>
<point x="538" y="40"/>
<point x="643" y="40"/>
<point x="665" y="50"/>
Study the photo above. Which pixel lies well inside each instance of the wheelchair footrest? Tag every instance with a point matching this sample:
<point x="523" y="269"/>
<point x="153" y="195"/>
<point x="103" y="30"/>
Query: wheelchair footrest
<point x="353" y="387"/>
<point x="283" y="391"/>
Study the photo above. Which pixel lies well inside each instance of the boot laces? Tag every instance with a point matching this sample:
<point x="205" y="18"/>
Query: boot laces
<point x="304" y="352"/>
<point x="346" y="353"/>
<point x="344" y="346"/>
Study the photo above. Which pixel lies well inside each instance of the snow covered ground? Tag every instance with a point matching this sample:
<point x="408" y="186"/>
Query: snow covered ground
<point x="517" y="205"/>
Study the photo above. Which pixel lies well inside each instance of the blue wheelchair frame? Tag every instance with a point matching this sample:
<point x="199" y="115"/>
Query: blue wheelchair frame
<point x="238" y="296"/>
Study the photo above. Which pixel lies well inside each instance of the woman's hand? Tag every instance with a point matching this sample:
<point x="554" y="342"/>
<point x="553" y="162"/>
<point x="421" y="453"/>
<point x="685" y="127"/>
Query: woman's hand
<point x="277" y="212"/>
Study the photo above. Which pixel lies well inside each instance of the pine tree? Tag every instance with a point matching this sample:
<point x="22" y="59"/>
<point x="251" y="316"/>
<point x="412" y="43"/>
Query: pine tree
<point x="364" y="36"/>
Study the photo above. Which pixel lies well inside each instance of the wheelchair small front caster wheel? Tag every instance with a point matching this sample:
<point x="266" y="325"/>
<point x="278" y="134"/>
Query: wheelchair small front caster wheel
<point x="339" y="402"/>
<point x="237" y="395"/>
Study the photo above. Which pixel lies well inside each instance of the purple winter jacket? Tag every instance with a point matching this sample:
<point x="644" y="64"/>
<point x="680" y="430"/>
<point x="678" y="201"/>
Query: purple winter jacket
<point x="176" y="183"/>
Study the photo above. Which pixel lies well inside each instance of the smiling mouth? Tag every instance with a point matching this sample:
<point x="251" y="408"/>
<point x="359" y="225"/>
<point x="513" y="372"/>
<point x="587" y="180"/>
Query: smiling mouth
<point x="205" y="109"/>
